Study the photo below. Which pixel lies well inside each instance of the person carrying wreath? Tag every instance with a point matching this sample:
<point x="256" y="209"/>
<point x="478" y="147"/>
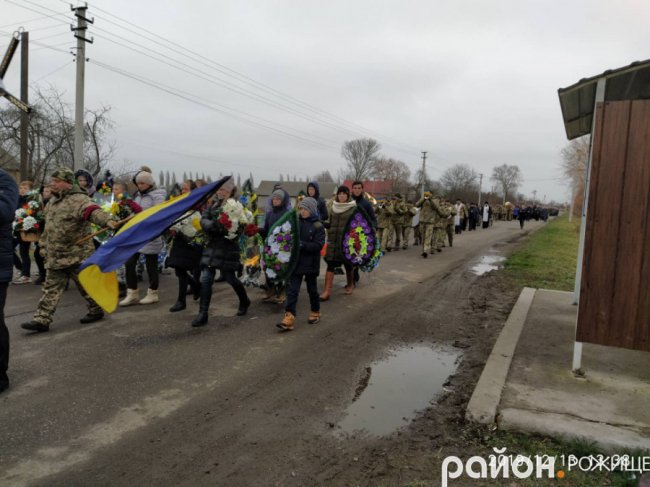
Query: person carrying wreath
<point x="342" y="209"/>
<point x="312" y="238"/>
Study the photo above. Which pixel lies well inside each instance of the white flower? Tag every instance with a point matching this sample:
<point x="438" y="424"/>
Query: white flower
<point x="275" y="247"/>
<point x="29" y="222"/>
<point x="286" y="227"/>
<point x="276" y="230"/>
<point x="270" y="273"/>
<point x="20" y="213"/>
<point x="284" y="257"/>
<point x="34" y="205"/>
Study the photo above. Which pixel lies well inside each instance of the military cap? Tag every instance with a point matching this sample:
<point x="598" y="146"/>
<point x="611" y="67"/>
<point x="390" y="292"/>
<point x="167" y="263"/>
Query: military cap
<point x="64" y="174"/>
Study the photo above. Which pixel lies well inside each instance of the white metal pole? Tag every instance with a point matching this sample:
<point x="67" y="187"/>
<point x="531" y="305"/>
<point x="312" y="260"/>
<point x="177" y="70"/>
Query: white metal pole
<point x="577" y="346"/>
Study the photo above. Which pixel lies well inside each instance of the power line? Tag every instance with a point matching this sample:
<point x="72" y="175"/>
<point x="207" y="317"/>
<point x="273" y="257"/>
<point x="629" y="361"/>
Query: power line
<point x="51" y="73"/>
<point x="235" y="74"/>
<point x="179" y="94"/>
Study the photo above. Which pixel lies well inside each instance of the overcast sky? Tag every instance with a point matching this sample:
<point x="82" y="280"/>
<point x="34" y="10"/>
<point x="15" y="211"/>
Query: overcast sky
<point x="470" y="82"/>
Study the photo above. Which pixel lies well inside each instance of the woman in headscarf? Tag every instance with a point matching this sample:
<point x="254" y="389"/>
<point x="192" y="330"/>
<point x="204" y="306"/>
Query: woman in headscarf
<point x="342" y="210"/>
<point x="222" y="251"/>
<point x="280" y="205"/>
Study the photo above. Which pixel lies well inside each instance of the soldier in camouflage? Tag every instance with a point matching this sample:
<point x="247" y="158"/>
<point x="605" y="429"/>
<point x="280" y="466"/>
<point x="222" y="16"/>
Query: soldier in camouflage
<point x="429" y="215"/>
<point x="397" y="220"/>
<point x="68" y="216"/>
<point x="449" y="223"/>
<point x="383" y="211"/>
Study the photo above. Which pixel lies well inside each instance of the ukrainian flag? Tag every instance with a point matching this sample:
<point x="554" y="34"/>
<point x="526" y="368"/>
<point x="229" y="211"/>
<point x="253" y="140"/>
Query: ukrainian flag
<point x="98" y="275"/>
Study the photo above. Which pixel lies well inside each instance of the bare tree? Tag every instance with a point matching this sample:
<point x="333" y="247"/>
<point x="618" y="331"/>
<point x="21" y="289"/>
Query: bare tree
<point x="51" y="135"/>
<point x="574" y="169"/>
<point x="360" y="154"/>
<point x="459" y="181"/>
<point x="394" y="171"/>
<point x="509" y="178"/>
<point x="324" y="177"/>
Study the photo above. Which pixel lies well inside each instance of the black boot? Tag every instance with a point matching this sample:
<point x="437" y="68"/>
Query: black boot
<point x="178" y="306"/>
<point x="204" y="305"/>
<point x="244" y="302"/>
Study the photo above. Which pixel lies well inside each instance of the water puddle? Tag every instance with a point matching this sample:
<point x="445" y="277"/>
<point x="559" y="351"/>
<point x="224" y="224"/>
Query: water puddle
<point x="393" y="390"/>
<point x="487" y="263"/>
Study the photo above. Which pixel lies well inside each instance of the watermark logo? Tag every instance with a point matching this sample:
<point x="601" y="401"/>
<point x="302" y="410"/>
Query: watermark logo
<point x="502" y="466"/>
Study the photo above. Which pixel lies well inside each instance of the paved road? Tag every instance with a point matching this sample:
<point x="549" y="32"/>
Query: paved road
<point x="141" y="398"/>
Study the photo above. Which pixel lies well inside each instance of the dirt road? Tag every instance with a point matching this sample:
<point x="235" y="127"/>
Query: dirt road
<point x="143" y="399"/>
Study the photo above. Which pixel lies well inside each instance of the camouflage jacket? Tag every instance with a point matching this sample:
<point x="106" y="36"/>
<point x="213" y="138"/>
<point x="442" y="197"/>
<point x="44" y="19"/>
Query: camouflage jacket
<point x="383" y="211"/>
<point x="430" y="210"/>
<point x="399" y="210"/>
<point x="67" y="219"/>
<point x="451" y="212"/>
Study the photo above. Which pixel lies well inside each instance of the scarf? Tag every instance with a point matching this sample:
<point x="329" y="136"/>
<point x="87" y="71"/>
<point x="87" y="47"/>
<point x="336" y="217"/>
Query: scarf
<point x="339" y="208"/>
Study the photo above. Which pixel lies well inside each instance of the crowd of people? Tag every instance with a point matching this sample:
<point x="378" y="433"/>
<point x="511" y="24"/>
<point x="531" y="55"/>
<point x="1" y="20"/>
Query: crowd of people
<point x="69" y="218"/>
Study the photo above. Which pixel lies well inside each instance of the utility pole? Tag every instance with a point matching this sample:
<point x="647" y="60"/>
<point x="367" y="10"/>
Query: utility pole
<point x="534" y="195"/>
<point x="480" y="184"/>
<point x="38" y="149"/>
<point x="79" y="33"/>
<point x="24" y="117"/>
<point x="424" y="173"/>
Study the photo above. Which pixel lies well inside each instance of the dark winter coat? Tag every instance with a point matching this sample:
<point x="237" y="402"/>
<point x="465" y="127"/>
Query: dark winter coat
<point x="8" y="202"/>
<point x="312" y="239"/>
<point x="367" y="207"/>
<point x="272" y="216"/>
<point x="335" y="230"/>
<point x="322" y="206"/>
<point x="184" y="255"/>
<point x="220" y="252"/>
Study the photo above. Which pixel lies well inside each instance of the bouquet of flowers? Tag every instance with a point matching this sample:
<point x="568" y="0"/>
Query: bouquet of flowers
<point x="29" y="218"/>
<point x="233" y="218"/>
<point x="360" y="246"/>
<point x="280" y="253"/>
<point x="105" y="189"/>
<point x="123" y="206"/>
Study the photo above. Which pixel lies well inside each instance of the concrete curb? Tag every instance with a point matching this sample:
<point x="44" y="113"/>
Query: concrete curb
<point x="485" y="400"/>
<point x="610" y="438"/>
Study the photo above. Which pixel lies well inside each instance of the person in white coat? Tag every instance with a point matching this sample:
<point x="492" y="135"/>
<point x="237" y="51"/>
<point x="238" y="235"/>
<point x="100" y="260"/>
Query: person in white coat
<point x="146" y="196"/>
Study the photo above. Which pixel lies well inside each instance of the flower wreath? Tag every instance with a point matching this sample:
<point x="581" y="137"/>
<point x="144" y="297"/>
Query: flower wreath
<point x="360" y="246"/>
<point x="281" y="247"/>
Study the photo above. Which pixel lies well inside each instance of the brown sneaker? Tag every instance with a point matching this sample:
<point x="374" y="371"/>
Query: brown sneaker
<point x="287" y="322"/>
<point x="314" y="317"/>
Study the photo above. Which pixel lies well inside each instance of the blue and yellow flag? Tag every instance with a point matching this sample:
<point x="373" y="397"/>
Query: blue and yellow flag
<point x="98" y="271"/>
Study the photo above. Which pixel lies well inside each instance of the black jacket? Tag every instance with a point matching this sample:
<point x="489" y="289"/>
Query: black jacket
<point x="322" y="206"/>
<point x="220" y="252"/>
<point x="312" y="239"/>
<point x="367" y="207"/>
<point x="8" y="203"/>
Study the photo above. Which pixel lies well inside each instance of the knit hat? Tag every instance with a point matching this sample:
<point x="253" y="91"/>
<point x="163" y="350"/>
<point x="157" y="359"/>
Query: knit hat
<point x="145" y="177"/>
<point x="64" y="174"/>
<point x="309" y="204"/>
<point x="228" y="184"/>
<point x="278" y="193"/>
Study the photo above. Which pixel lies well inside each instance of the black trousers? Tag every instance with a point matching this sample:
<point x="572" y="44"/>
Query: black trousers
<point x="295" y="281"/>
<point x="207" y="279"/>
<point x="26" y="261"/>
<point x="4" y="336"/>
<point x="185" y="278"/>
<point x="151" y="262"/>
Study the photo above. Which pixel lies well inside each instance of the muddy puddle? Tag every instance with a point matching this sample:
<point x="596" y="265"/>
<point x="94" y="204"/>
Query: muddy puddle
<point x="392" y="391"/>
<point x="488" y="263"/>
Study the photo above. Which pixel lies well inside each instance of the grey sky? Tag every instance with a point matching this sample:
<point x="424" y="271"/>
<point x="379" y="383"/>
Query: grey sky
<point x="469" y="81"/>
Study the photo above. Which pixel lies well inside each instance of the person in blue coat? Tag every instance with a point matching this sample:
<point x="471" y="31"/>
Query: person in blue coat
<point x="313" y="191"/>
<point x="8" y="202"/>
<point x="312" y="239"/>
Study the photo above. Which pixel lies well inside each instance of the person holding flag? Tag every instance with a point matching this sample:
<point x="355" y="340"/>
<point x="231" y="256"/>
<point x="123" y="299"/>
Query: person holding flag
<point x="68" y="218"/>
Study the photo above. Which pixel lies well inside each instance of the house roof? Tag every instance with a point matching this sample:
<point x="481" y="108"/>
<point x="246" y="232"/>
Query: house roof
<point x="374" y="187"/>
<point x="294" y="187"/>
<point x="577" y="101"/>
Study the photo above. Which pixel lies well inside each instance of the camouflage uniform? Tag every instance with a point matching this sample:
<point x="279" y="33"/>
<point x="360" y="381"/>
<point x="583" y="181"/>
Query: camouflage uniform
<point x="449" y="208"/>
<point x="407" y="225"/>
<point x="439" y="225"/>
<point x="429" y="215"/>
<point x="383" y="211"/>
<point x="397" y="221"/>
<point x="67" y="219"/>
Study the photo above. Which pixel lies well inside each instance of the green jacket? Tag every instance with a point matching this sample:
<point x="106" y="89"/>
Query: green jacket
<point x="67" y="219"/>
<point x="335" y="225"/>
<point x="430" y="210"/>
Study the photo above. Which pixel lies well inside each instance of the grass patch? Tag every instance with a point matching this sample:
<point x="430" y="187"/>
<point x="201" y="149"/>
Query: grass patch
<point x="548" y="258"/>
